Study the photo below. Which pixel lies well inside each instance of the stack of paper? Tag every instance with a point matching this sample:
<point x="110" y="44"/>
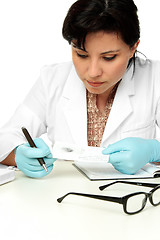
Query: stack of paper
<point x="7" y="174"/>
<point x="105" y="171"/>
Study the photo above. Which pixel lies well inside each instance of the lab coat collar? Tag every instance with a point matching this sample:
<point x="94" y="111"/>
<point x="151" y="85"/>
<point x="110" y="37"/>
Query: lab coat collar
<point x="75" y="110"/>
<point x="121" y="108"/>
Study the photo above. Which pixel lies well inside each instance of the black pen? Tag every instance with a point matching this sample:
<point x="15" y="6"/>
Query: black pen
<point x="32" y="144"/>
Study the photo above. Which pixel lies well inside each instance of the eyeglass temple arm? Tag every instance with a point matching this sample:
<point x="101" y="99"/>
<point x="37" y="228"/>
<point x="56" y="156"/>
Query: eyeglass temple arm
<point x="132" y="183"/>
<point x="100" y="197"/>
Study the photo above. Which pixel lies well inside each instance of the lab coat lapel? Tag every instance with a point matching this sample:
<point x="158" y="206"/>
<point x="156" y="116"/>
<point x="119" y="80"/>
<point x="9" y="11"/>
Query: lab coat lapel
<point x="75" y="108"/>
<point x="121" y="107"/>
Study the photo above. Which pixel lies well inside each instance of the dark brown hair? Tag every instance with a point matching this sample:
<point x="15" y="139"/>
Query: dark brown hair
<point x="86" y="16"/>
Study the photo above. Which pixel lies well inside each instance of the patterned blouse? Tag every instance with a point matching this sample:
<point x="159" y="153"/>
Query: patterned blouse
<point x="96" y="119"/>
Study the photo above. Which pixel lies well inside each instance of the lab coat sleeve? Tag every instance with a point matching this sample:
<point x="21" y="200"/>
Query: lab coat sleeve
<point x="157" y="95"/>
<point x="30" y="114"/>
<point x="158" y="114"/>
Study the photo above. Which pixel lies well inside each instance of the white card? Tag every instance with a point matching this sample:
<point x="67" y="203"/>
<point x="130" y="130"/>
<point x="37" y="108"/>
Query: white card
<point x="77" y="153"/>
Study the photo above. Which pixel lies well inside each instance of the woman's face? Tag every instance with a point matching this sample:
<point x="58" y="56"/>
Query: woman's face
<point x="103" y="63"/>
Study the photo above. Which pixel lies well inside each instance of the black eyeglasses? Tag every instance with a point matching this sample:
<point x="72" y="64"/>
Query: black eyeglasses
<point x="132" y="203"/>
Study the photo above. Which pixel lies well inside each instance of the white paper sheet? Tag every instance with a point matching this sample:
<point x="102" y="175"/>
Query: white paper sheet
<point x="77" y="153"/>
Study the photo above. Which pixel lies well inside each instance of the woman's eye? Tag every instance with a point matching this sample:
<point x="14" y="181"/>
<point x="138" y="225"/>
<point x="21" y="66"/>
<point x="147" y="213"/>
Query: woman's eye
<point x="81" y="55"/>
<point x="109" y="58"/>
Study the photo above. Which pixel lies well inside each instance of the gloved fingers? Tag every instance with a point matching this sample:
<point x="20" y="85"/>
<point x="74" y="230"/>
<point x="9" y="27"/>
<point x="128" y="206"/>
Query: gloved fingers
<point x="49" y="161"/>
<point x="125" y="170"/>
<point x="34" y="163"/>
<point x="30" y="167"/>
<point x="30" y="152"/>
<point x="119" y="168"/>
<point x="115" y="147"/>
<point x="50" y="156"/>
<point x="117" y="157"/>
<point x="123" y="163"/>
<point x="35" y="173"/>
<point x="41" y="144"/>
<point x="123" y="145"/>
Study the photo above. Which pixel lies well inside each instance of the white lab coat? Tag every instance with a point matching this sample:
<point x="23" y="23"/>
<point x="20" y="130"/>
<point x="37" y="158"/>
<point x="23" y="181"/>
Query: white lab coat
<point x="56" y="105"/>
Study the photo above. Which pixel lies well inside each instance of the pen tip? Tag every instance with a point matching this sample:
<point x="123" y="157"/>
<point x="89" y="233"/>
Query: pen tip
<point x="45" y="168"/>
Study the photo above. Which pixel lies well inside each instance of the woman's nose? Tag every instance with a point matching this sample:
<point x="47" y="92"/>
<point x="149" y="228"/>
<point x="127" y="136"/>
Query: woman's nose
<point x="94" y="69"/>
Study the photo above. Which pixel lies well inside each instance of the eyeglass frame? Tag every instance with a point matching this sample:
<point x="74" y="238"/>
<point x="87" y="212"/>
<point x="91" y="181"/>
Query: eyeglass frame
<point x="121" y="200"/>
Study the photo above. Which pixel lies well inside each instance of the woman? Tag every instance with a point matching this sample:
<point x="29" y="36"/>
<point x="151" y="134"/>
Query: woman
<point x="105" y="96"/>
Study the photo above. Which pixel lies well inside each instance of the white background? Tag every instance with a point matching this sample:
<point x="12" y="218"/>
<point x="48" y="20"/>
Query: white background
<point x="30" y="37"/>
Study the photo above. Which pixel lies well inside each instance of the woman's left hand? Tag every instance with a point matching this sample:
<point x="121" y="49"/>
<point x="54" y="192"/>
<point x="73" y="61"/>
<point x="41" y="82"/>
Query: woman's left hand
<point x="130" y="154"/>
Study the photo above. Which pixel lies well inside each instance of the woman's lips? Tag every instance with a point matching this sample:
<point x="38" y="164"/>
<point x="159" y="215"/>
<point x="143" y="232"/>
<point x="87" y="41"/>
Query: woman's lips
<point x="95" y="84"/>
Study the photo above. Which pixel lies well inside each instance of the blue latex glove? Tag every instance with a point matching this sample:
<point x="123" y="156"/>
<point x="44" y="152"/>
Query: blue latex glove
<point x="26" y="158"/>
<point x="130" y="154"/>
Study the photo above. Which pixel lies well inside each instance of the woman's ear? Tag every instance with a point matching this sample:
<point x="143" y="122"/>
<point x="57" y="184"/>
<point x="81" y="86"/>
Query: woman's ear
<point x="134" y="48"/>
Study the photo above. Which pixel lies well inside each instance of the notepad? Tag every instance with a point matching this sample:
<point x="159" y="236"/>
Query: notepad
<point x="105" y="171"/>
<point x="7" y="174"/>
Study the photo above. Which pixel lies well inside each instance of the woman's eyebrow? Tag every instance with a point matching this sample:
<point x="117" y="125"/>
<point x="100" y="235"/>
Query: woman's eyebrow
<point x="107" y="52"/>
<point x="111" y="51"/>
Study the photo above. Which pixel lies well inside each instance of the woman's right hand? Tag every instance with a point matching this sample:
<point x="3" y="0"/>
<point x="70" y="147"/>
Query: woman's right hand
<point x="26" y="159"/>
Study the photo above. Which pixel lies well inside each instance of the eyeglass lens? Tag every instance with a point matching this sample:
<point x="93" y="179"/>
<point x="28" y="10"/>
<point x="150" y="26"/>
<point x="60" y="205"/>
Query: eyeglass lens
<point x="136" y="203"/>
<point x="156" y="196"/>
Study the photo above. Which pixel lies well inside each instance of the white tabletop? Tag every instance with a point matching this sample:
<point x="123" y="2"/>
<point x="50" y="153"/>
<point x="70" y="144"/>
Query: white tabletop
<point x="29" y="209"/>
